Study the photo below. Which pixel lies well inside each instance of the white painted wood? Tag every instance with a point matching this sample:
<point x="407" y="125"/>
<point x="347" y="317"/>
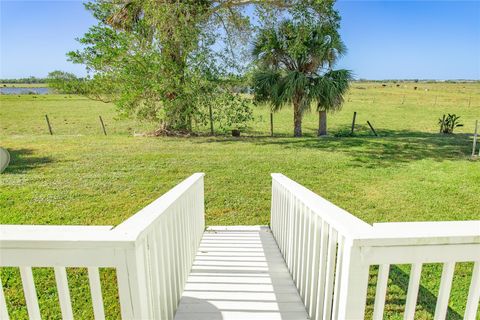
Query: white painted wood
<point x="155" y="250"/>
<point x="444" y="292"/>
<point x="343" y="221"/>
<point x="338" y="276"/>
<point x="200" y="296"/>
<point x="172" y="260"/>
<point x="274" y="306"/>
<point x="381" y="291"/>
<point x="241" y="315"/>
<point x="152" y="253"/>
<point x="235" y="230"/>
<point x="161" y="304"/>
<point x="56" y="257"/>
<point x="412" y="293"/>
<point x="126" y="305"/>
<point x="322" y="270"/>
<point x="423" y="233"/>
<point x="3" y="304"/>
<point x="63" y="292"/>
<point x="141" y="222"/>
<point x="354" y="283"/>
<point x="30" y="293"/>
<point x="96" y="293"/>
<point x="421" y="253"/>
<point x="168" y="270"/>
<point x="253" y="290"/>
<point x="312" y="306"/>
<point x="330" y="273"/>
<point x="25" y="230"/>
<point x="305" y="253"/>
<point x="297" y="249"/>
<point x="473" y="293"/>
<point x="381" y="244"/>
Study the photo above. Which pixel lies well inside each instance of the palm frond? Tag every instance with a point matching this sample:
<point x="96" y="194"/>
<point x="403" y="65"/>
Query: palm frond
<point x="329" y="90"/>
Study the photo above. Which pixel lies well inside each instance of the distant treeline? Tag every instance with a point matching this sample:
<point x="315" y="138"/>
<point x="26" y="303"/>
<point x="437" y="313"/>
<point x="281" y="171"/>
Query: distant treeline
<point x="46" y="80"/>
<point x="420" y="80"/>
<point x="24" y="80"/>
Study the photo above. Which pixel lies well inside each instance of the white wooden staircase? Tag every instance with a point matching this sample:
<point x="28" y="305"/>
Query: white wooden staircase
<point x="312" y="262"/>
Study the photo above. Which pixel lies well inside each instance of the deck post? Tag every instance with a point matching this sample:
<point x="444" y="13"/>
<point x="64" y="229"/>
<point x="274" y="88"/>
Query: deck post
<point x="354" y="283"/>
<point x="132" y="288"/>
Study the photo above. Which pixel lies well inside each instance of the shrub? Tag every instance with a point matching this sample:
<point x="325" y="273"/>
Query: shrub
<point x="449" y="123"/>
<point x="229" y="111"/>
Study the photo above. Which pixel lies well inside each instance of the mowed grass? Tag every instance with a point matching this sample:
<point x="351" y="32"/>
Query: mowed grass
<point x="79" y="176"/>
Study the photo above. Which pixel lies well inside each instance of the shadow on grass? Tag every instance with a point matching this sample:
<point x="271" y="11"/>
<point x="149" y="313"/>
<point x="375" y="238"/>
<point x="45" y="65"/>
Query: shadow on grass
<point x="389" y="149"/>
<point x="22" y="160"/>
<point x="426" y="299"/>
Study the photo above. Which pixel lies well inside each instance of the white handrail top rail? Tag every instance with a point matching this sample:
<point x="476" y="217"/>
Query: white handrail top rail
<point x="124" y="235"/>
<point x="134" y="226"/>
<point x="431" y="228"/>
<point x="342" y="220"/>
<point x="13" y="231"/>
<point x="43" y="236"/>
<point x="423" y="233"/>
<point x="384" y="234"/>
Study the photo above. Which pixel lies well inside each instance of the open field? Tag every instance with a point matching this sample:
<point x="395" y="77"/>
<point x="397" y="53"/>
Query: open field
<point x="390" y="110"/>
<point x="79" y="176"/>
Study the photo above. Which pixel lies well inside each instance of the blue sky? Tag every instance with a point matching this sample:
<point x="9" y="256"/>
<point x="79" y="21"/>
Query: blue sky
<point x="385" y="39"/>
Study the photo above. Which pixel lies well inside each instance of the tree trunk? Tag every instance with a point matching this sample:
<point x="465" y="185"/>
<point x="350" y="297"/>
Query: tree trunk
<point x="297" y="120"/>
<point x="322" y="123"/>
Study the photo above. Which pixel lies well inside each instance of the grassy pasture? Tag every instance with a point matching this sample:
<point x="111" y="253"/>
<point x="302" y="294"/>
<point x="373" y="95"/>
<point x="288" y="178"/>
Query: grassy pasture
<point x="79" y="176"/>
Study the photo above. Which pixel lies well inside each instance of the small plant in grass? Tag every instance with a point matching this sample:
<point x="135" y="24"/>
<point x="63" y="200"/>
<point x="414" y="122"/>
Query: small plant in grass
<point x="343" y="133"/>
<point x="449" y="123"/>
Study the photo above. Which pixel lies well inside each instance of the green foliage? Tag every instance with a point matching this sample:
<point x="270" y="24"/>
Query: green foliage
<point x="158" y="56"/>
<point x="449" y="123"/>
<point x="65" y="82"/>
<point x="343" y="134"/>
<point x="232" y="111"/>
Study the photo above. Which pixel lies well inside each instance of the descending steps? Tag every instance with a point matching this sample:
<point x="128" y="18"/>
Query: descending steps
<point x="240" y="274"/>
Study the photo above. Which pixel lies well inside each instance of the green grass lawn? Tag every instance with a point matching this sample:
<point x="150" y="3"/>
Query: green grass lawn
<point x="79" y="176"/>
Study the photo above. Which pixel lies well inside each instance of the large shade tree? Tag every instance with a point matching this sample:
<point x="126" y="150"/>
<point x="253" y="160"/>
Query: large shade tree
<point x="295" y="66"/>
<point x="156" y="59"/>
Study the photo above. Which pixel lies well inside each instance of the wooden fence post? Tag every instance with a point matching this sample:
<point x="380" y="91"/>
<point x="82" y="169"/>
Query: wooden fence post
<point x="49" y="126"/>
<point x="475" y="139"/>
<point x="353" y="121"/>
<point x="211" y="118"/>
<point x="271" y="124"/>
<point x="371" y="127"/>
<point x="103" y="125"/>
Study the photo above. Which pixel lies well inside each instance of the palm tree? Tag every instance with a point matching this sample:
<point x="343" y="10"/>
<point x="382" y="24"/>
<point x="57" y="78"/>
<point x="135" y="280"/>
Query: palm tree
<point x="295" y="63"/>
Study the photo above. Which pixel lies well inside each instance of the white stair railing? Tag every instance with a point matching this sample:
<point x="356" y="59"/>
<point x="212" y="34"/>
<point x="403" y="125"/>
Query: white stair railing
<point x="329" y="253"/>
<point x="152" y="253"/>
